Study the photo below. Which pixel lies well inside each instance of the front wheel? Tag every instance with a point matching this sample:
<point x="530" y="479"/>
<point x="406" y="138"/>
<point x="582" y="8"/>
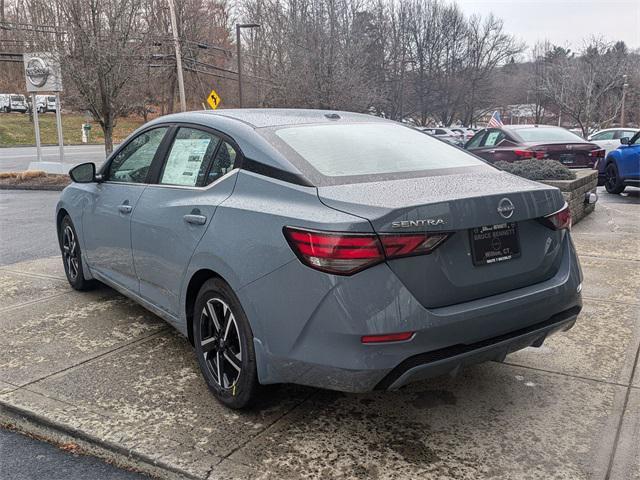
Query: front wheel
<point x="72" y="256"/>
<point x="224" y="345"/>
<point x="613" y="183"/>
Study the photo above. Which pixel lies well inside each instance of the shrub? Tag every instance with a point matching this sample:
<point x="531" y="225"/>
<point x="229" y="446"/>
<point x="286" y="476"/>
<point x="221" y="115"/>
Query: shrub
<point x="537" y="169"/>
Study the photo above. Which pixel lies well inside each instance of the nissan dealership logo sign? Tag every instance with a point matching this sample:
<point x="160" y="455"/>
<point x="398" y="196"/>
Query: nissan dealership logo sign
<point x="37" y="72"/>
<point x="42" y="72"/>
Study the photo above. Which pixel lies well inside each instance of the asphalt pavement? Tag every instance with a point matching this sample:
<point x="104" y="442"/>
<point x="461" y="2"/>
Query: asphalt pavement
<point x="17" y="159"/>
<point x="27" y="225"/>
<point x="24" y="458"/>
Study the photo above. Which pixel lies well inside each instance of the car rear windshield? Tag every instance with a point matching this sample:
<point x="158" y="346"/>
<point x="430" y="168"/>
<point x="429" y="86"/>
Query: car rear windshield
<point x="547" y="135"/>
<point x="363" y="149"/>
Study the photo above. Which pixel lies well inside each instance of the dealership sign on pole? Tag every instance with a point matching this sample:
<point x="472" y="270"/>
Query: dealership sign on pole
<point x="42" y="75"/>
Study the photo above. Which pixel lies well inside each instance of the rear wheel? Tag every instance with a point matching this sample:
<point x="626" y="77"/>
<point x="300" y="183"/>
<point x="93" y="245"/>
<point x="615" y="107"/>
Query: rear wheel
<point x="224" y="345"/>
<point x="613" y="183"/>
<point x="72" y="256"/>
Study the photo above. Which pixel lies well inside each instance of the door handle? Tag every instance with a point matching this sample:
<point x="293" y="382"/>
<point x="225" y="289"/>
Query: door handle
<point x="195" y="219"/>
<point x="125" y="208"/>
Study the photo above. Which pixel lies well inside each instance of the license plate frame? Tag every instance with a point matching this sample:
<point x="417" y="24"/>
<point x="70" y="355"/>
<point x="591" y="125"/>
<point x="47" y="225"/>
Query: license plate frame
<point x="568" y="158"/>
<point x="491" y="244"/>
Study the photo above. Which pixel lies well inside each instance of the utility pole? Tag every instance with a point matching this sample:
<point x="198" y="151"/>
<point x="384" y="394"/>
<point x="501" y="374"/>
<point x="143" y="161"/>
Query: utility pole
<point x="624" y="94"/>
<point x="238" y="55"/>
<point x="176" y="43"/>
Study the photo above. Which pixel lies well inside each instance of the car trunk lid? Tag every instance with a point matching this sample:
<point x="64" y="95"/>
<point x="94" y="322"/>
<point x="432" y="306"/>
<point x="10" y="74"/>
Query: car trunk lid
<point x="459" y="204"/>
<point x="572" y="155"/>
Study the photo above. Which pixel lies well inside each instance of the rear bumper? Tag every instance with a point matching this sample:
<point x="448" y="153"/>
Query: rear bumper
<point x="308" y="330"/>
<point x="448" y="360"/>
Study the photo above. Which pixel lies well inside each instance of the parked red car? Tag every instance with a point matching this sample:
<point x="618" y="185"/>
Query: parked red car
<point x="544" y="142"/>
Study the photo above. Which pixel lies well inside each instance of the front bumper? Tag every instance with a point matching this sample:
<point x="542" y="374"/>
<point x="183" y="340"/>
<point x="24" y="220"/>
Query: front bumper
<point x="307" y="329"/>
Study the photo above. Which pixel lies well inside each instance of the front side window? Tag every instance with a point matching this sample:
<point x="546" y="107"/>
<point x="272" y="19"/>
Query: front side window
<point x="132" y="163"/>
<point x="189" y="158"/>
<point x="476" y="139"/>
<point x="626" y="133"/>
<point x="359" y="149"/>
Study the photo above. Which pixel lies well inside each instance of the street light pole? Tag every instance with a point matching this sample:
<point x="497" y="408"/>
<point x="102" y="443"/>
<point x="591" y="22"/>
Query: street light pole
<point x="238" y="55"/>
<point x="624" y="94"/>
<point x="176" y="44"/>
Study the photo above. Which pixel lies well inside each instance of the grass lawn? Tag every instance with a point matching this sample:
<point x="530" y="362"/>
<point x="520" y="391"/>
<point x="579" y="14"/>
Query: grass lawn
<point x="16" y="129"/>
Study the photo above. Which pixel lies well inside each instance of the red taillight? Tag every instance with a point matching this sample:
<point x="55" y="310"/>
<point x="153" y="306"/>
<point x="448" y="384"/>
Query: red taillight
<point x="559" y="220"/>
<point x="387" y="337"/>
<point x="600" y="153"/>
<point x="348" y="253"/>
<point x="523" y="153"/>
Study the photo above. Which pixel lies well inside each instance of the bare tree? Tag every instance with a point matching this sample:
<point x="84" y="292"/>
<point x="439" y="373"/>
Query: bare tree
<point x="101" y="52"/>
<point x="587" y="87"/>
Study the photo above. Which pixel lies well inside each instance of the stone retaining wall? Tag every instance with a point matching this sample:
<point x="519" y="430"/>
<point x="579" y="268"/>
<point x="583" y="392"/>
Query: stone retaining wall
<point x="575" y="191"/>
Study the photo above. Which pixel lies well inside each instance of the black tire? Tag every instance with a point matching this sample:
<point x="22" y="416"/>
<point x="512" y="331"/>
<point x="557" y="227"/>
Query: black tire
<point x="72" y="256"/>
<point x="613" y="183"/>
<point x="224" y="344"/>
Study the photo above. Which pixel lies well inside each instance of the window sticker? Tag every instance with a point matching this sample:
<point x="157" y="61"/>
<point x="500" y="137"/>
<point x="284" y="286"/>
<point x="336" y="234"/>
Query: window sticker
<point x="184" y="162"/>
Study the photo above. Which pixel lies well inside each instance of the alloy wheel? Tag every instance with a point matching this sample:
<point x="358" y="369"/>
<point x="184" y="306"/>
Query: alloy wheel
<point x="221" y="344"/>
<point x="70" y="252"/>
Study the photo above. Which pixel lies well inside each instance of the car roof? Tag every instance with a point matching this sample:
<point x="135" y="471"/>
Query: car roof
<point x="522" y="126"/>
<point x="614" y="129"/>
<point x="241" y="125"/>
<point x="275" y="117"/>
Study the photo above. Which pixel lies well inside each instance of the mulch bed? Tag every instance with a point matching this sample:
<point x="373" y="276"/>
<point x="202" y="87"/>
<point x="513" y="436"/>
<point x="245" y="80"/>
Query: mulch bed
<point x="46" y="182"/>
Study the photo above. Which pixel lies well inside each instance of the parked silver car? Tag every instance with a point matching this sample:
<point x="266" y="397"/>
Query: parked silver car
<point x="329" y="249"/>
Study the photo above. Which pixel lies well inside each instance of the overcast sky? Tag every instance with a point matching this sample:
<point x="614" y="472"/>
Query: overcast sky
<point x="564" y="22"/>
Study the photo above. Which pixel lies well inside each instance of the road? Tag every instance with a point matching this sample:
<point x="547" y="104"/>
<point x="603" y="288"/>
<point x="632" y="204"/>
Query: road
<point x="16" y="159"/>
<point x="24" y="458"/>
<point x="27" y="228"/>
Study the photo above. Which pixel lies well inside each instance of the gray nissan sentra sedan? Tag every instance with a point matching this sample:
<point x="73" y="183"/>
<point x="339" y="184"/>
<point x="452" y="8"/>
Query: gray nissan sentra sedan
<point x="329" y="249"/>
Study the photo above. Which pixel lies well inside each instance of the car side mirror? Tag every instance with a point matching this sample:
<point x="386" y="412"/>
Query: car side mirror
<point x="624" y="141"/>
<point x="84" y="173"/>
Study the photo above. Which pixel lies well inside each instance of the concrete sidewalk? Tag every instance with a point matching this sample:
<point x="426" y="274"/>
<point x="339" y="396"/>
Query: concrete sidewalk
<point x="98" y="370"/>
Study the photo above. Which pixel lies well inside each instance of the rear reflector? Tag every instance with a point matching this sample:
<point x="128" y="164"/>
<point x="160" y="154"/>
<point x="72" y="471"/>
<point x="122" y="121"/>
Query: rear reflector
<point x="347" y="253"/>
<point x="387" y="337"/>
<point x="560" y="220"/>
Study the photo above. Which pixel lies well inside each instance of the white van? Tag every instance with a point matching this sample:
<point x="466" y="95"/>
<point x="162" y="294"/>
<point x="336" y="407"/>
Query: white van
<point x="46" y="103"/>
<point x="4" y="103"/>
<point x="18" y="103"/>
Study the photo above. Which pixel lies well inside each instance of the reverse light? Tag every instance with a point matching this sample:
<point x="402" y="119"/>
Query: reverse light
<point x="560" y="220"/>
<point x="347" y="253"/>
<point x="387" y="337"/>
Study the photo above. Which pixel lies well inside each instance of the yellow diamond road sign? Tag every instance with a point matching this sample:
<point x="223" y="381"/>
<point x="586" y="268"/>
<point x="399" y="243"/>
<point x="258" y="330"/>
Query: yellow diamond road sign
<point x="213" y="100"/>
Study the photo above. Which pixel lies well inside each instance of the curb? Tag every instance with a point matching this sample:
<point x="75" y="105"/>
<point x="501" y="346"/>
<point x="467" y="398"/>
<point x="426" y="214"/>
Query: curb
<point x="58" y="434"/>
<point x="48" y="188"/>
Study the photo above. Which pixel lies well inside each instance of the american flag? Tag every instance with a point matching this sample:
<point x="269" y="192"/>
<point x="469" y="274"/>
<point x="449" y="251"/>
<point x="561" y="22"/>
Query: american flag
<point x="495" y="121"/>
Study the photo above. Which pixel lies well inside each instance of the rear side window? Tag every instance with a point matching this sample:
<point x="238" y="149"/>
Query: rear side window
<point x="189" y="158"/>
<point x="493" y="138"/>
<point x="223" y="163"/>
<point x="338" y="150"/>
<point x="604" y="135"/>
